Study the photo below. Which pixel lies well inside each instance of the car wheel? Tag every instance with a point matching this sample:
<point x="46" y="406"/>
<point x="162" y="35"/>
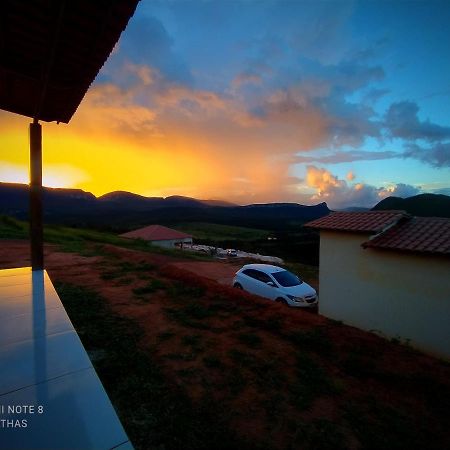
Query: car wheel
<point x="282" y="301"/>
<point x="237" y="286"/>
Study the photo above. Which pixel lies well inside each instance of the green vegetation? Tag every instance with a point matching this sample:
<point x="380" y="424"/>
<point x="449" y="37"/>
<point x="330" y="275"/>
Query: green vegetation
<point x="306" y="272"/>
<point x="155" y="414"/>
<point x="151" y="286"/>
<point x="82" y="241"/>
<point x="216" y="232"/>
<point x="320" y="434"/>
<point x="251" y="340"/>
<point x="312" y="381"/>
<point x="315" y="340"/>
<point x="165" y="335"/>
<point x="381" y="426"/>
<point x="210" y="360"/>
<point x="213" y="362"/>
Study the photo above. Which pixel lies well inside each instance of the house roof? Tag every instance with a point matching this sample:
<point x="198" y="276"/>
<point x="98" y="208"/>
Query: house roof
<point x="360" y="222"/>
<point x="419" y="234"/>
<point x="51" y="51"/>
<point x="392" y="230"/>
<point x="156" y="233"/>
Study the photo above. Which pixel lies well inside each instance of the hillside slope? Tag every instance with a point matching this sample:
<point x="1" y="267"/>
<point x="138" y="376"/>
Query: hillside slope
<point x="423" y="205"/>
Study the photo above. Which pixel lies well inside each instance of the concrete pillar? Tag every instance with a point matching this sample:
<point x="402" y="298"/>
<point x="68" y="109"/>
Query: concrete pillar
<point x="36" y="226"/>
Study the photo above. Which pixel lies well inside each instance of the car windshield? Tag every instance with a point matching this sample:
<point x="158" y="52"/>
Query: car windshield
<point x="287" y="279"/>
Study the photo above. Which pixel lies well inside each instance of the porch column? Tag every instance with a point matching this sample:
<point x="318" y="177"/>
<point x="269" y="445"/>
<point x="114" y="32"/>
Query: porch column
<point x="36" y="227"/>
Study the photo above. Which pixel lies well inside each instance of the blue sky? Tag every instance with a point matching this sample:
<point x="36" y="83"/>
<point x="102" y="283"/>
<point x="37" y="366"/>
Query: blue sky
<point x="379" y="70"/>
<point x="258" y="101"/>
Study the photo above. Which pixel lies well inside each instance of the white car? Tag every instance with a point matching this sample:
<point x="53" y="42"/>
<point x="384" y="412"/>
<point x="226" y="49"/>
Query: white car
<point x="275" y="283"/>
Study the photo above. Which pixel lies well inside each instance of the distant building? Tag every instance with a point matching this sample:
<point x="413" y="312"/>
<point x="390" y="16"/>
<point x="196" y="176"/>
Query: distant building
<point x="388" y="272"/>
<point x="160" y="236"/>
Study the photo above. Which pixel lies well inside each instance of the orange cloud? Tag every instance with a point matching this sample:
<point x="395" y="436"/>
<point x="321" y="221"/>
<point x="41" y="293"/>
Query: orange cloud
<point x="350" y="176"/>
<point x="159" y="137"/>
<point x="322" y="180"/>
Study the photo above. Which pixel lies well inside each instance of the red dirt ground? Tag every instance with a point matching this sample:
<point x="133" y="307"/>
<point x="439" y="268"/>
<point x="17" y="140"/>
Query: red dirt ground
<point x="220" y="271"/>
<point x="253" y="381"/>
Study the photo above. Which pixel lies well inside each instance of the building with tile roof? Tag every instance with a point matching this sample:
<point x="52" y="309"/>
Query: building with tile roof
<point x="387" y="271"/>
<point x="160" y="235"/>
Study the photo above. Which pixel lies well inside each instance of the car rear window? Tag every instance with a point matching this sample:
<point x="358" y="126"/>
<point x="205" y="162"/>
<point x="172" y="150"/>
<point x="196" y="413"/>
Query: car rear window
<point x="287" y="279"/>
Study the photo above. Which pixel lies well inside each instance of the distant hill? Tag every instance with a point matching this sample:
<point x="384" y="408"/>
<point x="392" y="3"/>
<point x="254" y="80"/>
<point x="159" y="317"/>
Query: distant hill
<point x="122" y="210"/>
<point x="424" y="205"/>
<point x="14" y="199"/>
<point x="126" y="199"/>
<point x="355" y="209"/>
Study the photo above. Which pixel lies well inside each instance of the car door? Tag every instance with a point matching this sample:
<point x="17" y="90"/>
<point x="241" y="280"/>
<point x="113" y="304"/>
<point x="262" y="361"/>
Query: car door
<point x="255" y="282"/>
<point x="262" y="288"/>
<point x="249" y="281"/>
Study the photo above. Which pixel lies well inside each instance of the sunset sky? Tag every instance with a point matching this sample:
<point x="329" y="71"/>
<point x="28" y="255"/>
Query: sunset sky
<point x="260" y="101"/>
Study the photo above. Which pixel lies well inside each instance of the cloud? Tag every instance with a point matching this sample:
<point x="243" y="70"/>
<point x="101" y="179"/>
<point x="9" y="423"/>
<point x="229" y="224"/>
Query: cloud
<point x="147" y="39"/>
<point x="340" y="194"/>
<point x="373" y="95"/>
<point x="443" y="191"/>
<point x="401" y="121"/>
<point x="337" y="157"/>
<point x="246" y="78"/>
<point x="438" y="155"/>
<point x="229" y="107"/>
<point x="401" y="190"/>
<point x="109" y="107"/>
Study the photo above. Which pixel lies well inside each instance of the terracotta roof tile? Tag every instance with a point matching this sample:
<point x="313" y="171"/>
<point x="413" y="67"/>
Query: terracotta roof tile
<point x="367" y="221"/>
<point x="418" y="234"/>
<point x="156" y="233"/>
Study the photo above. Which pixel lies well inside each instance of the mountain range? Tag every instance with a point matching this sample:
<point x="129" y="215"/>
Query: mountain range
<point x="124" y="210"/>
<point x="121" y="210"/>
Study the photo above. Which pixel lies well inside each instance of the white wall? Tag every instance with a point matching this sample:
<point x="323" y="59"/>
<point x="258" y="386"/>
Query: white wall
<point x="171" y="243"/>
<point x="396" y="294"/>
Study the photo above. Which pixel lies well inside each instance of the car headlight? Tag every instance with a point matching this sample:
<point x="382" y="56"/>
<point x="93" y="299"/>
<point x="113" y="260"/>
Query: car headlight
<point x="295" y="299"/>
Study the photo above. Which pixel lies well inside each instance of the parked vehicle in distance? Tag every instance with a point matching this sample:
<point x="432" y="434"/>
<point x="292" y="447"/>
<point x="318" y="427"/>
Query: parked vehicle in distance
<point x="275" y="283"/>
<point x="231" y="252"/>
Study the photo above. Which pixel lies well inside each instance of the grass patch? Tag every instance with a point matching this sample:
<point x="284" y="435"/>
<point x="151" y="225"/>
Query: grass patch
<point x="151" y="286"/>
<point x="181" y="356"/>
<point x="189" y="373"/>
<point x="213" y="362"/>
<point x="125" y="281"/>
<point x="235" y="381"/>
<point x="251" y="340"/>
<point x="359" y="366"/>
<point x="319" y="434"/>
<point x="194" y="341"/>
<point x="216" y="232"/>
<point x="378" y="426"/>
<point x="110" y="275"/>
<point x="166" y="335"/>
<point x="243" y="359"/>
<point x="143" y="276"/>
<point x="316" y="340"/>
<point x="80" y="240"/>
<point x="306" y="272"/>
<point x="311" y="382"/>
<point x="179" y="291"/>
<point x="155" y="413"/>
<point x="188" y="316"/>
